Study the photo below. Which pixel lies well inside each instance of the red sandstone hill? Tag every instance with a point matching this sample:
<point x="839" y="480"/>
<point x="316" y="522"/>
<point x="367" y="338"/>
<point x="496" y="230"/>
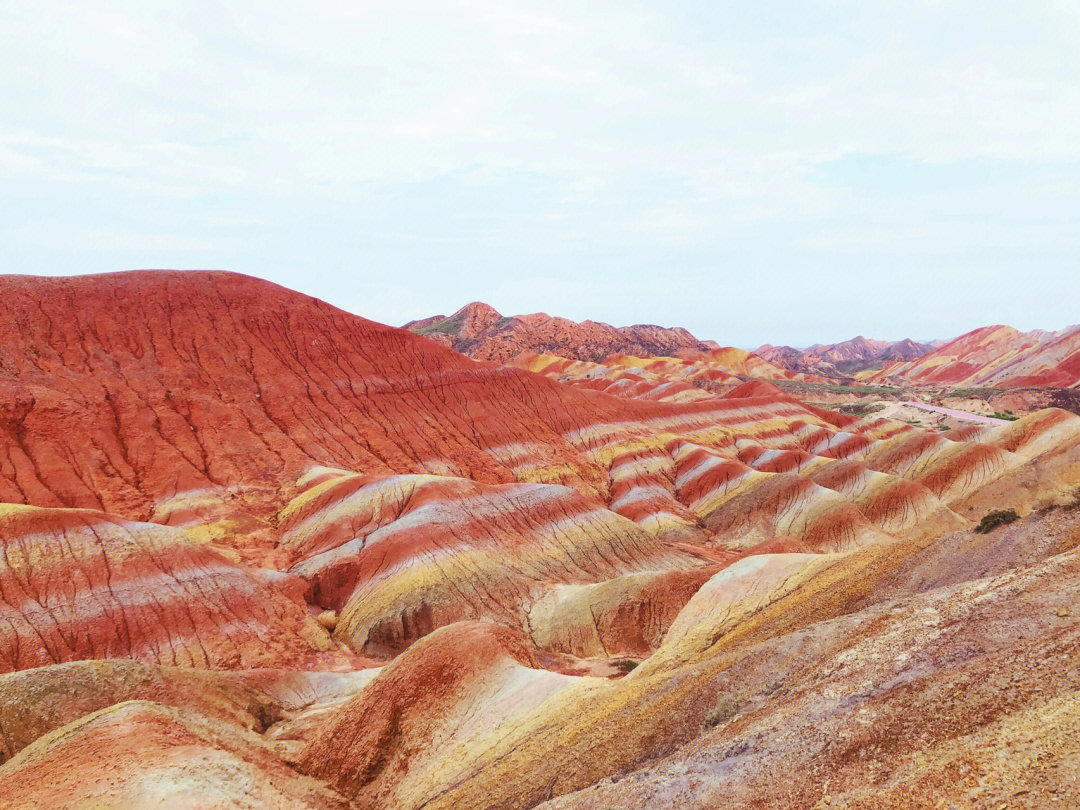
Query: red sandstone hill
<point x="123" y="391"/>
<point x="478" y="331"/>
<point x="996" y="356"/>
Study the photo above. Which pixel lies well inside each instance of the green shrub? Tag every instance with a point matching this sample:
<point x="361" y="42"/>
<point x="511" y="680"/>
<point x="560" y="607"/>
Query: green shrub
<point x="725" y="709"/>
<point x="1074" y="504"/>
<point x="991" y="520"/>
<point x="626" y="665"/>
<point x="978" y="393"/>
<point x="448" y="326"/>
<point x="859" y="408"/>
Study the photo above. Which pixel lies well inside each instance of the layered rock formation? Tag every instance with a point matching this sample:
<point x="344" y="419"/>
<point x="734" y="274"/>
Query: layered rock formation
<point x="996" y="356"/>
<point x="688" y="376"/>
<point x="259" y="552"/>
<point x="78" y="584"/>
<point x="142" y="754"/>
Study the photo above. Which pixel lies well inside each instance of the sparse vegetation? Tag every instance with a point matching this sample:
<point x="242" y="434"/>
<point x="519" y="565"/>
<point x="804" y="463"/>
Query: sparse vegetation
<point x="861" y="408"/>
<point x="626" y="665"/>
<point x="726" y="708"/>
<point x="973" y="393"/>
<point x="1000" y="517"/>
<point x="943" y="428"/>
<point x="862" y="390"/>
<point x="1007" y="415"/>
<point x="450" y="326"/>
<point x="1073" y="504"/>
<point x="1068" y="399"/>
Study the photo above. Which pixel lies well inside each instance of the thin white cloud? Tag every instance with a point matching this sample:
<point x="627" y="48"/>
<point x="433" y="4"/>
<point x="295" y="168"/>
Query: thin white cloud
<point x="119" y="240"/>
<point x="506" y="131"/>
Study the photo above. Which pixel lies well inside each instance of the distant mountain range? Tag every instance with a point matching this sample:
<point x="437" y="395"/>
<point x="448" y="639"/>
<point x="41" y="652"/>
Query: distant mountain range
<point x="991" y="356"/>
<point x="642" y="361"/>
<point x="846" y="358"/>
<point x="481" y="332"/>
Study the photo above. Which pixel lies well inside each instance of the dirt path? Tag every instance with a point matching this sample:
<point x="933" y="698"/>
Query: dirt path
<point x="964" y="416"/>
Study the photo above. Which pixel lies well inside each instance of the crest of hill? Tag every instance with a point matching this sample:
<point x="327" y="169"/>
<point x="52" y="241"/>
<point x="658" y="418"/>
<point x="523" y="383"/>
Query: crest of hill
<point x="996" y="356"/>
<point x="755" y="388"/>
<point x="479" y="331"/>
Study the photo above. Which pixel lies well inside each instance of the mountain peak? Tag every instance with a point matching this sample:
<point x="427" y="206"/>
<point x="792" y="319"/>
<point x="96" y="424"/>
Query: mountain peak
<point x="474" y="319"/>
<point x="477" y="309"/>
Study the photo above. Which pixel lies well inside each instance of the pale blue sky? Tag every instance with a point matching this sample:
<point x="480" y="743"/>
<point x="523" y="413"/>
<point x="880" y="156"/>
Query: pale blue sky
<point x="782" y="172"/>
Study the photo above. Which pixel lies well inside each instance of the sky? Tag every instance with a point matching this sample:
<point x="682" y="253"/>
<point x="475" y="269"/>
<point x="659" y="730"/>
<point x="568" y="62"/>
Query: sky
<point x="756" y="172"/>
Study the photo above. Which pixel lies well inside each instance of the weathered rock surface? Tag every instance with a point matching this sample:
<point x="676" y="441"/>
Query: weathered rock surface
<point x="34" y="702"/>
<point x="962" y="695"/>
<point x="76" y="584"/>
<point x="817" y="685"/>
<point x="432" y="551"/>
<point x="422" y="714"/>
<point x="142" y="754"/>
